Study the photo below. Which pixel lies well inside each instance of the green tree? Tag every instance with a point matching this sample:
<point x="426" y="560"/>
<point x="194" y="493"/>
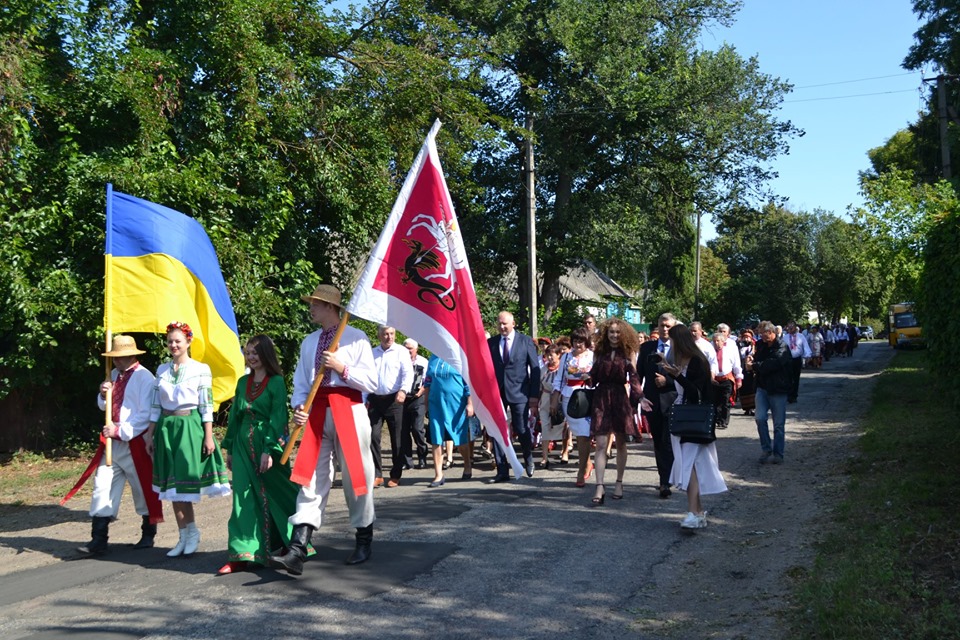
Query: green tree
<point x="631" y="119"/>
<point x="769" y="259"/>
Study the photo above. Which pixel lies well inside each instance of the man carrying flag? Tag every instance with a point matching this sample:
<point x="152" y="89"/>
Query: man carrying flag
<point x="336" y="422"/>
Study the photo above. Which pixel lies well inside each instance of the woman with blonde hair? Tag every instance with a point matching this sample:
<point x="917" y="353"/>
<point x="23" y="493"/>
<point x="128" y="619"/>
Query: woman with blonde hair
<point x="613" y="409"/>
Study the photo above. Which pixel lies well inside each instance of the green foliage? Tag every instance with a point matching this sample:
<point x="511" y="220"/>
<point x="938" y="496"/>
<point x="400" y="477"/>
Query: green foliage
<point x="769" y="259"/>
<point x="940" y="287"/>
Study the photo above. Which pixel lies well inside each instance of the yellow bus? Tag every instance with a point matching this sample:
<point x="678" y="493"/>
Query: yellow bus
<point x="904" y="330"/>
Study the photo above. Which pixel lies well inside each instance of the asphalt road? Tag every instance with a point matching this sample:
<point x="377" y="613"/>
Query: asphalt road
<point x="528" y="559"/>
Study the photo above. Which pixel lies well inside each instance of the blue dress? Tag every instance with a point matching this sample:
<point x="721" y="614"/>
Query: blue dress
<point x="447" y="404"/>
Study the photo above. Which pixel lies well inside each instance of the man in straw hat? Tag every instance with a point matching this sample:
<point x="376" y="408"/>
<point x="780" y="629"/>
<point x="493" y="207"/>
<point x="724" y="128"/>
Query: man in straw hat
<point x="132" y="395"/>
<point x="337" y="423"/>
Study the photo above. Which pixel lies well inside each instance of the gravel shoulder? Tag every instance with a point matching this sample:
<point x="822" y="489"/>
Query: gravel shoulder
<point x="528" y="559"/>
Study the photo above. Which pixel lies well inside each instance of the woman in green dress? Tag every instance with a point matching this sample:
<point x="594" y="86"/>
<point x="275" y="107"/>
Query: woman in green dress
<point x="263" y="496"/>
<point x="186" y="461"/>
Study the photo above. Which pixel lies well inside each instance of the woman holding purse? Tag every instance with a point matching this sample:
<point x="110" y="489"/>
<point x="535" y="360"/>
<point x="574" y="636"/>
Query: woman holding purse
<point x="696" y="468"/>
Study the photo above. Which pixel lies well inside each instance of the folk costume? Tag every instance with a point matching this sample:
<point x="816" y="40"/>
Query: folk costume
<point x="338" y="425"/>
<point x="262" y="502"/>
<point x="131" y="397"/>
<point x="182" y="403"/>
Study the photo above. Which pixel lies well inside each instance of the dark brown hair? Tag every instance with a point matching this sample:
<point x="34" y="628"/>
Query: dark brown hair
<point x="267" y="354"/>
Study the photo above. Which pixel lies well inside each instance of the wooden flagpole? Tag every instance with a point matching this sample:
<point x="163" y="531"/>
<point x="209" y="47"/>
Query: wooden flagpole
<point x="296" y="430"/>
<point x="108" y="255"/>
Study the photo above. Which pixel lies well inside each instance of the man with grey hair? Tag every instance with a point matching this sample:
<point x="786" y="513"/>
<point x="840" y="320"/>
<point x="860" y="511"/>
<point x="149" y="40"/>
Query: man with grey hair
<point x="414" y="410"/>
<point x="696" y="328"/>
<point x="395" y="378"/>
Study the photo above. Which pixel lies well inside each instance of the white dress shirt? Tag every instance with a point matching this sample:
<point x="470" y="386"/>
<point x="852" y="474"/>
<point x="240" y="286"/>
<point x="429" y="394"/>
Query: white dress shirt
<point x="708" y="350"/>
<point x="134" y="415"/>
<point x="354" y="351"/>
<point x="799" y="348"/>
<point x="394" y="370"/>
<point x="728" y="361"/>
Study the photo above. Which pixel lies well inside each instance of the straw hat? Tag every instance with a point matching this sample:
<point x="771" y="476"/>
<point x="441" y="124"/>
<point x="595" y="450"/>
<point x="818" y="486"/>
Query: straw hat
<point x="324" y="293"/>
<point x="123" y="346"/>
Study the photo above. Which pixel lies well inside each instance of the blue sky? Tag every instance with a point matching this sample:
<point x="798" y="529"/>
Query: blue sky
<point x="816" y="42"/>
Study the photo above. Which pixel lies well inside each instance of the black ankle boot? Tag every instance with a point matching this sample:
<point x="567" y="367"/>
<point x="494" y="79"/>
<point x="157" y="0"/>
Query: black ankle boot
<point x="98" y="538"/>
<point x="292" y="560"/>
<point x="364" y="539"/>
<point x="147" y="533"/>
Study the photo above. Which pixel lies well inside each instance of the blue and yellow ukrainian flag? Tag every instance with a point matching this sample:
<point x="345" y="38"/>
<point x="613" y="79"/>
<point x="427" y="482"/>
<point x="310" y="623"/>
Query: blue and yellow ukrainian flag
<point x="161" y="267"/>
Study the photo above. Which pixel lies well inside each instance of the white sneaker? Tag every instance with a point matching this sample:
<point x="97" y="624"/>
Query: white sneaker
<point x="192" y="539"/>
<point x="693" y="521"/>
<point x="178" y="550"/>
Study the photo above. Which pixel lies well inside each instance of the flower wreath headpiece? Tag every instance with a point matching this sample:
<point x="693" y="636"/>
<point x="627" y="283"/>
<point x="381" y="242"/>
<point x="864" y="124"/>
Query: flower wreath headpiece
<point x="182" y="326"/>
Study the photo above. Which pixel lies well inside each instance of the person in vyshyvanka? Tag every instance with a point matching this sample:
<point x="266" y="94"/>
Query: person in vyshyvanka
<point x="186" y="460"/>
<point x="336" y="424"/>
<point x="263" y="496"/>
<point x="132" y="392"/>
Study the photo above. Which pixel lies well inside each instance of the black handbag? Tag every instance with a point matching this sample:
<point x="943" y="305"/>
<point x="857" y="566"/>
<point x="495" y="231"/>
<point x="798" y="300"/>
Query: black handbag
<point x="692" y="422"/>
<point x="580" y="403"/>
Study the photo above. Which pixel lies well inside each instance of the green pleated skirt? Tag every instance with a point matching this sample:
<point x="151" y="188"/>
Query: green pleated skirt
<point x="181" y="472"/>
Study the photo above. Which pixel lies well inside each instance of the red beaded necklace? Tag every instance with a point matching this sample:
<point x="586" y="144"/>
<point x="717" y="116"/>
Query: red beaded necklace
<point x="254" y="390"/>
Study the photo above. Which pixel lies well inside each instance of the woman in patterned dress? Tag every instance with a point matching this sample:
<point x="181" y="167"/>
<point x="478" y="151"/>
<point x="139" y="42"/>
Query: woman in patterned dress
<point x="263" y="496"/>
<point x="186" y="460"/>
<point x="575" y="367"/>
<point x="613" y="408"/>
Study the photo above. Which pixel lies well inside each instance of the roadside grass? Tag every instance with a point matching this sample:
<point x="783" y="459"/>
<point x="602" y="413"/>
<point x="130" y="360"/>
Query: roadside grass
<point x="889" y="564"/>
<point x="34" y="479"/>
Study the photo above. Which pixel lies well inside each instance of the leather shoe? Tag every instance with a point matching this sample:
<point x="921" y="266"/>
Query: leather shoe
<point x="391" y="483"/>
<point x="498" y="479"/>
<point x="530" y="468"/>
<point x="437" y="483"/>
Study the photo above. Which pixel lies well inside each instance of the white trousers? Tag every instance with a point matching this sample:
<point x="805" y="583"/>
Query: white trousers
<point x="312" y="499"/>
<point x="108" y="483"/>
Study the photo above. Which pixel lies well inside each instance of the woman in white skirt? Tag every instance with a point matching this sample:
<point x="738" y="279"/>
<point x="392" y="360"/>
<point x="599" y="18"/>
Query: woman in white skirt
<point x="575" y="368"/>
<point x="548" y="430"/>
<point x="696" y="469"/>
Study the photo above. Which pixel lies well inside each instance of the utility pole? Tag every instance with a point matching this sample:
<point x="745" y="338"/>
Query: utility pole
<point x="696" y="285"/>
<point x="531" y="207"/>
<point x="942" y="113"/>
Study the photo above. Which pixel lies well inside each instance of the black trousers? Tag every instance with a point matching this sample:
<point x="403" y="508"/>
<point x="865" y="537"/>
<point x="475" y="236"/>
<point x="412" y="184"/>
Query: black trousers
<point x="414" y="409"/>
<point x="662" y="447"/>
<point x="721" y="403"/>
<point x="795" y="383"/>
<point x="386" y="409"/>
<point x="518" y="419"/>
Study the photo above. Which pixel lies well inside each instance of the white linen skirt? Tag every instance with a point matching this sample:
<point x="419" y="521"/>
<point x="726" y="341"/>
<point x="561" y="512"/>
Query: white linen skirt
<point x="548" y="431"/>
<point x="703" y="457"/>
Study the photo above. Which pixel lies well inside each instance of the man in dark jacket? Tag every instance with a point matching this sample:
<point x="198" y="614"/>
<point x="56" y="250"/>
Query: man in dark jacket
<point x="771" y="363"/>
<point x="516" y="365"/>
<point x="653" y="354"/>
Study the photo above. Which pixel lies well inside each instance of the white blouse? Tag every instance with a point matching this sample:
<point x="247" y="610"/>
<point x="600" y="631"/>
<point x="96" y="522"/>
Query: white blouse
<point x="191" y="387"/>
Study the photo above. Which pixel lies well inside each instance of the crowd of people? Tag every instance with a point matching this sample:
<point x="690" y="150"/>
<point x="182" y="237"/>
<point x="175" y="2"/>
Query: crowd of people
<point x="345" y="391"/>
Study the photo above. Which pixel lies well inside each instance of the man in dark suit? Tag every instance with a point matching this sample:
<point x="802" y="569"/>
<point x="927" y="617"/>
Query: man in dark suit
<point x="655" y="385"/>
<point x="517" y="367"/>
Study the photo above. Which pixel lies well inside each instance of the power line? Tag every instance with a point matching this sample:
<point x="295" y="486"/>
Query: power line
<point x="830" y="84"/>
<point x="854" y="95"/>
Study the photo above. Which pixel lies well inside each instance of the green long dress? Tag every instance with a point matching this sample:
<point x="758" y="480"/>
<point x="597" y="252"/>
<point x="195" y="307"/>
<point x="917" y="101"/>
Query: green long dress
<point x="261" y="502"/>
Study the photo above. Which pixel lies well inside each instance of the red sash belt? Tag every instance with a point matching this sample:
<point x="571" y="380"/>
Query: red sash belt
<point x="341" y="401"/>
<point x="144" y="466"/>
<point x="574" y="383"/>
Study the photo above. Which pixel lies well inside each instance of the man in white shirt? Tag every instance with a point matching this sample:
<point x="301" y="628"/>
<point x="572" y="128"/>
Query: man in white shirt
<point x="705" y="346"/>
<point x="395" y="376"/>
<point x="799" y="350"/>
<point x="131" y="387"/>
<point x="829" y="340"/>
<point x="727" y="380"/>
<point x="414" y="410"/>
<point x="336" y="423"/>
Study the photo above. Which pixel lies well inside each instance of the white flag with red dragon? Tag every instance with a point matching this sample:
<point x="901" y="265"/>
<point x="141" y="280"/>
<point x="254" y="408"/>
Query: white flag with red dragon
<point x="417" y="280"/>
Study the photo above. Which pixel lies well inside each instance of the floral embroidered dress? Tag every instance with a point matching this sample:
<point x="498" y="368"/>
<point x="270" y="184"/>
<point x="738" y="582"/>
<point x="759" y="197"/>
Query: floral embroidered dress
<point x="262" y="502"/>
<point x="182" y="402"/>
